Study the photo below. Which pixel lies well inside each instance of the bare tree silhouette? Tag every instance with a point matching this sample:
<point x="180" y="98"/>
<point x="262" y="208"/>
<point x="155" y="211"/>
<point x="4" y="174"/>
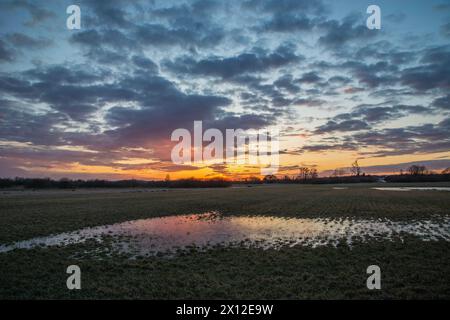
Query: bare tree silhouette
<point x="416" y="170"/>
<point x="356" y="169"/>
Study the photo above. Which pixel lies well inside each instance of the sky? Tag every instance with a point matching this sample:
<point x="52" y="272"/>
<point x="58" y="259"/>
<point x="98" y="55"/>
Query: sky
<point x="102" y="101"/>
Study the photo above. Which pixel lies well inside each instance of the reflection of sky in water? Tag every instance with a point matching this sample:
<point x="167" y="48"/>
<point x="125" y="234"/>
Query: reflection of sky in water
<point x="413" y="188"/>
<point x="150" y="236"/>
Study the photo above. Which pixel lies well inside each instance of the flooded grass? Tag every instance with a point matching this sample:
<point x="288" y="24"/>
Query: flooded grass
<point x="284" y="242"/>
<point x="164" y="235"/>
<point x="413" y="189"/>
<point x="24" y="217"/>
<point x="413" y="269"/>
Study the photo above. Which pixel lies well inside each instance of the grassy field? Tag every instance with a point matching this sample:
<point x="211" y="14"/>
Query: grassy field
<point x="413" y="269"/>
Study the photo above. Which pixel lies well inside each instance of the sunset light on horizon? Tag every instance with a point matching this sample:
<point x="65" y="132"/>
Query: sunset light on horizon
<point x="102" y="101"/>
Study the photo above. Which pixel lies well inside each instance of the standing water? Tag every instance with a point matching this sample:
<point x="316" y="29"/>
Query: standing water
<point x="168" y="234"/>
<point x="413" y="188"/>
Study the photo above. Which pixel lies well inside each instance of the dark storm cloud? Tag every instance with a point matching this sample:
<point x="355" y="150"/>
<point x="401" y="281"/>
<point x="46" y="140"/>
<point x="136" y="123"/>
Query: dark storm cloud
<point x="436" y="55"/>
<point x="181" y="110"/>
<point x="15" y="44"/>
<point x="287" y="82"/>
<point x="59" y="74"/>
<point x="381" y="72"/>
<point x="120" y="99"/>
<point x="237" y="65"/>
<point x="79" y="101"/>
<point x="189" y="24"/>
<point x="265" y="97"/>
<point x="432" y="73"/>
<point x="442" y="103"/>
<point x="109" y="38"/>
<point x="6" y="54"/>
<point x="72" y="92"/>
<point x="339" y="33"/>
<point x="106" y="46"/>
<point x="18" y="124"/>
<point x="36" y="11"/>
<point x="110" y="13"/>
<point x="16" y="86"/>
<point x="445" y="29"/>
<point x="148" y="34"/>
<point x="339" y="80"/>
<point x="372" y="75"/>
<point x="145" y="63"/>
<point x="21" y="40"/>
<point x="309" y="77"/>
<point x="384" y="50"/>
<point x="193" y="8"/>
<point x="160" y="35"/>
<point x="310" y="102"/>
<point x="284" y="22"/>
<point x="343" y="126"/>
<point x="442" y="7"/>
<point x="382" y="112"/>
<point x="364" y="117"/>
<point x="421" y="139"/>
<point x="346" y="146"/>
<point x="163" y="108"/>
<point x="245" y="122"/>
<point x="107" y="57"/>
<point x="282" y="6"/>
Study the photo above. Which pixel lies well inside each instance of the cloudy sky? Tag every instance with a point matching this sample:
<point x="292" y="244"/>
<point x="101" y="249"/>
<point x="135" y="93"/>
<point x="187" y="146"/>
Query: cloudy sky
<point x="102" y="101"/>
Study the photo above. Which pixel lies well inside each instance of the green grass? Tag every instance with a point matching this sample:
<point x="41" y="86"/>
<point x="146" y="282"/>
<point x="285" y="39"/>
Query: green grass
<point x="23" y="217"/>
<point x="411" y="270"/>
<point x="415" y="270"/>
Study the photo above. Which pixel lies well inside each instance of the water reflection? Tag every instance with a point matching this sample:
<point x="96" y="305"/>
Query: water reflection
<point x="413" y="188"/>
<point x="168" y="234"/>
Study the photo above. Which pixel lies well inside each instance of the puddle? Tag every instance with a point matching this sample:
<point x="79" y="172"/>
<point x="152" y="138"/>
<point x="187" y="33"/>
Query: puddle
<point x="413" y="188"/>
<point x="340" y="188"/>
<point x="169" y="234"/>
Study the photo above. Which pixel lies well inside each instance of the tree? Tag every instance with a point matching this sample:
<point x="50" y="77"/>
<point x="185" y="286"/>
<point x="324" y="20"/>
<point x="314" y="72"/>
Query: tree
<point x="313" y="173"/>
<point x="65" y="183"/>
<point x="356" y="169"/>
<point x="446" y="171"/>
<point x="253" y="179"/>
<point x="270" y="178"/>
<point x="416" y="170"/>
<point x="338" y="172"/>
<point x="303" y="174"/>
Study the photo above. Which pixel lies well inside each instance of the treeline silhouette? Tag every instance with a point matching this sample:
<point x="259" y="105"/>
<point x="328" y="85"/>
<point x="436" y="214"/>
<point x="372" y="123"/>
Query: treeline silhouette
<point x="431" y="177"/>
<point x="47" y="183"/>
<point x="357" y="179"/>
<point x="325" y="180"/>
<point x="414" y="173"/>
